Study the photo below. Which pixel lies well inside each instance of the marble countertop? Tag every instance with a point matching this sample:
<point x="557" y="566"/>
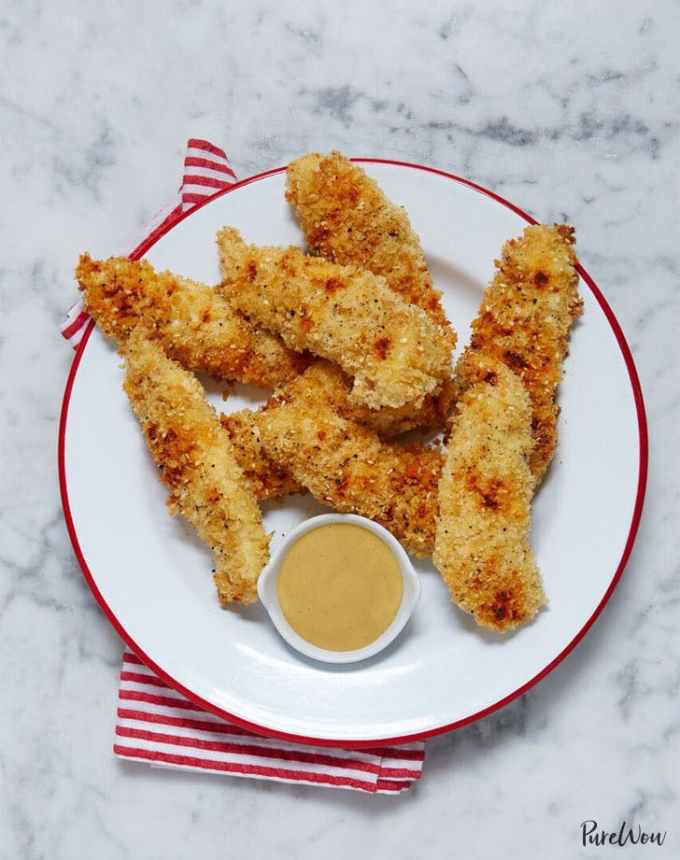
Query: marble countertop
<point x="571" y="115"/>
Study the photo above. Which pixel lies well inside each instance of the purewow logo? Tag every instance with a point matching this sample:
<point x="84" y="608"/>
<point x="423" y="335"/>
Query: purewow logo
<point x="593" y="834"/>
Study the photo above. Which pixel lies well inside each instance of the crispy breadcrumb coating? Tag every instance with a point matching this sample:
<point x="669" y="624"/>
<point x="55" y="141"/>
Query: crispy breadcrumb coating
<point x="266" y="477"/>
<point x="394" y="352"/>
<point x="432" y="414"/>
<point x="334" y="386"/>
<point x="482" y="547"/>
<point x="347" y="218"/>
<point x="197" y="464"/>
<point x="326" y="382"/>
<point x="524" y="320"/>
<point x="330" y="383"/>
<point x="345" y="465"/>
<point x="192" y="322"/>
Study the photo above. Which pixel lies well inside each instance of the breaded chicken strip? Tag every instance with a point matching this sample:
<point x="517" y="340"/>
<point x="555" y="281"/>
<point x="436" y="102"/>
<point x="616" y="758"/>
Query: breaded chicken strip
<point x="192" y="322"/>
<point x="325" y="382"/>
<point x="347" y="218"/>
<point x="345" y="465"/>
<point x="524" y="320"/>
<point x="335" y="387"/>
<point x="482" y="545"/>
<point x="267" y="478"/>
<point x="197" y="464"/>
<point x="329" y="381"/>
<point x="394" y="352"/>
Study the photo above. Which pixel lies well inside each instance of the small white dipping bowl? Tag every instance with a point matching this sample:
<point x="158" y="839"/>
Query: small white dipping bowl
<point x="268" y="591"/>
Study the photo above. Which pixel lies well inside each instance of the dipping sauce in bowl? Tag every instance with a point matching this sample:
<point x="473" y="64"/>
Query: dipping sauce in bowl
<point x="340" y="587"/>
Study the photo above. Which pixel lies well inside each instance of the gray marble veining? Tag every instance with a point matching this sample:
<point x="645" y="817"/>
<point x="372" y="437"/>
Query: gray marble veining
<point x="570" y="110"/>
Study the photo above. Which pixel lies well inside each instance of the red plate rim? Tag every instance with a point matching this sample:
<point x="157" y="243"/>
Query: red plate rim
<point x="141" y="249"/>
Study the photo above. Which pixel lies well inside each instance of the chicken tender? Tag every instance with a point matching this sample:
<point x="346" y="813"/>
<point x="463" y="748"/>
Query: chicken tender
<point x="197" y="464"/>
<point x="345" y="465"/>
<point x="335" y="386"/>
<point x="524" y="320"/>
<point x="347" y="218"/>
<point x="330" y="386"/>
<point x="267" y="479"/>
<point x="482" y="545"/>
<point x="393" y="351"/>
<point x="192" y="322"/>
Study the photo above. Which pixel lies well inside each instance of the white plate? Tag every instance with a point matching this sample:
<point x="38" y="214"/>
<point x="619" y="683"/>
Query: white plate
<point x="152" y="577"/>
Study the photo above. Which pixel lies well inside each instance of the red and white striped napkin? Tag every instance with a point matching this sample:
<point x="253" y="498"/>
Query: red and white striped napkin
<point x="157" y="724"/>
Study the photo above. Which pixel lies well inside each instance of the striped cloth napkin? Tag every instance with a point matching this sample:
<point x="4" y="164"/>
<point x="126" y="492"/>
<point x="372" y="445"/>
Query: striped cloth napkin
<point x="158" y="725"/>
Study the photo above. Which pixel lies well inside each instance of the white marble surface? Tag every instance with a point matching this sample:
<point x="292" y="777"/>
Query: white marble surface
<point x="567" y="112"/>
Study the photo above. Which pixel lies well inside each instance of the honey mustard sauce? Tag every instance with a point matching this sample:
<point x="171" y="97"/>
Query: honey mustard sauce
<point x="340" y="587"/>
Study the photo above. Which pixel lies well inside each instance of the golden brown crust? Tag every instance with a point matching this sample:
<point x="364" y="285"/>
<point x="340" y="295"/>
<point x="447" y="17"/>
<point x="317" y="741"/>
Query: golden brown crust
<point x="197" y="464"/>
<point x="345" y="465"/>
<point x="389" y="422"/>
<point x="267" y="478"/>
<point x="347" y="218"/>
<point x="393" y="351"/>
<point x="335" y="387"/>
<point x="524" y="321"/>
<point x="482" y="547"/>
<point x="193" y="323"/>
